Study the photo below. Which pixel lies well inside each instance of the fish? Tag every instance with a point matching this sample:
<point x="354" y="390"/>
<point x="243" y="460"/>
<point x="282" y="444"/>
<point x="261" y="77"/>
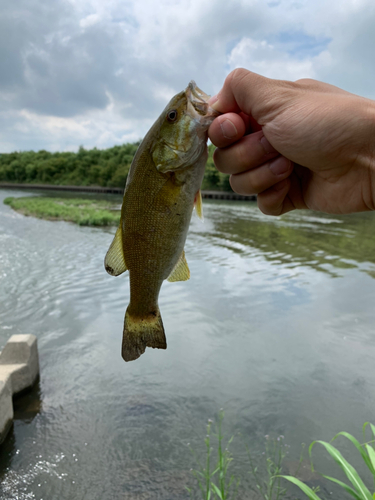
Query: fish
<point x="162" y="188"/>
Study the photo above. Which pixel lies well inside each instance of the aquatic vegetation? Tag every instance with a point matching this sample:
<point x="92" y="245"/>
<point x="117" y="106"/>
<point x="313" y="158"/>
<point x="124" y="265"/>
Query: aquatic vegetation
<point x="85" y="212"/>
<point x="268" y="481"/>
<point x="213" y="480"/>
<point x="212" y="476"/>
<point x="358" y="488"/>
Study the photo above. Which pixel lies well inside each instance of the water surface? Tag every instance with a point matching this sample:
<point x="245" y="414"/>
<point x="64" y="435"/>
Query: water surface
<point x="276" y="326"/>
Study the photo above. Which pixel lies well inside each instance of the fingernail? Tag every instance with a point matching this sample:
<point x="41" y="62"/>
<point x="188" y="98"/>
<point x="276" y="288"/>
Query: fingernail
<point x="267" y="146"/>
<point x="213" y="101"/>
<point x="280" y="166"/>
<point x="228" y="128"/>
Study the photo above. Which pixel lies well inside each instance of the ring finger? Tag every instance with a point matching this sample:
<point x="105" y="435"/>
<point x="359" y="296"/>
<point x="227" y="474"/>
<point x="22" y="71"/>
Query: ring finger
<point x="259" y="179"/>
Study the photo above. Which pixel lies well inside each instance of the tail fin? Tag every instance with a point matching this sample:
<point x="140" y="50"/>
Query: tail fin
<point x="140" y="333"/>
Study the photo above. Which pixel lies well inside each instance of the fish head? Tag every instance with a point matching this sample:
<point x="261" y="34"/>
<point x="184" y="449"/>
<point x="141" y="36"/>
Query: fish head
<point x="182" y="130"/>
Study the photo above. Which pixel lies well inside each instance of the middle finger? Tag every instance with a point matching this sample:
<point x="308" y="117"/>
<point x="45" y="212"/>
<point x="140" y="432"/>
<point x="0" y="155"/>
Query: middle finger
<point x="249" y="152"/>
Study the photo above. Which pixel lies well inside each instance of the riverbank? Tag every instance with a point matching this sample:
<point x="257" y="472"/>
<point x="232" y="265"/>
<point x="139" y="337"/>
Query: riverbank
<point x="213" y="195"/>
<point x="84" y="212"/>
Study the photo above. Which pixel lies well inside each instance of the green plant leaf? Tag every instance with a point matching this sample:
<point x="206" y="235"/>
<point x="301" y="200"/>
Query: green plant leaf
<point x="345" y="486"/>
<point x="359" y="447"/>
<point x="217" y="491"/>
<point x="371" y="454"/>
<point x="306" y="489"/>
<point x="364" y="429"/>
<point x="348" y="469"/>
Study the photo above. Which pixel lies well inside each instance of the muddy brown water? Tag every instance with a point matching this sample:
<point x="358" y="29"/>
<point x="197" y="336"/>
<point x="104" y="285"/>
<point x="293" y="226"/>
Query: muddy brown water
<point x="276" y="326"/>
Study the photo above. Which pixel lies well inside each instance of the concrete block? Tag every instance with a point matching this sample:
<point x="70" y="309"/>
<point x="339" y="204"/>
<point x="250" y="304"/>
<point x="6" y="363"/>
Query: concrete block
<point x="22" y="350"/>
<point x="6" y="406"/>
<point x="20" y="376"/>
<point x="19" y="369"/>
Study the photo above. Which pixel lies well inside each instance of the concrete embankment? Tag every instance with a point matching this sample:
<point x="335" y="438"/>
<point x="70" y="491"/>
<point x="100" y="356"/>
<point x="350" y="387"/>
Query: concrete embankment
<point x="214" y="195"/>
<point x="19" y="370"/>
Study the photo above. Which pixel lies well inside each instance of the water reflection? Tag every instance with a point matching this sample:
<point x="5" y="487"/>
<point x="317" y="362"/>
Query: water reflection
<point x="323" y="242"/>
<point x="261" y="329"/>
<point x="27" y="405"/>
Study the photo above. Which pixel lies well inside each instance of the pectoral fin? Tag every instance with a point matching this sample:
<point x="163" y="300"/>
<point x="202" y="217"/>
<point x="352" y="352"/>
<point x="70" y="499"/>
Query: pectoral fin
<point x="114" y="261"/>
<point x="181" y="271"/>
<point x="198" y="204"/>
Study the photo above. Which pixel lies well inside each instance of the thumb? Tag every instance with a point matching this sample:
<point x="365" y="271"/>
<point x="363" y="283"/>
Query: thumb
<point x="250" y="93"/>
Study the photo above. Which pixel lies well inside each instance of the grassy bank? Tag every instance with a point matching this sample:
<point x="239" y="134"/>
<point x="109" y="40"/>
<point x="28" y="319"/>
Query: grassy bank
<point x="94" y="167"/>
<point x="81" y="211"/>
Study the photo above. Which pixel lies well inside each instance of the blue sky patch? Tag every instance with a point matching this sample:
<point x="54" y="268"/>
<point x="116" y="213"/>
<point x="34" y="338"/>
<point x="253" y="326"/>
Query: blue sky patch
<point x="300" y="45"/>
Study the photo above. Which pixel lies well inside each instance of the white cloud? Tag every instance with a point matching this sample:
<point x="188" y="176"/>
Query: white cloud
<point x="98" y="73"/>
<point x="89" y="20"/>
<point x="264" y="58"/>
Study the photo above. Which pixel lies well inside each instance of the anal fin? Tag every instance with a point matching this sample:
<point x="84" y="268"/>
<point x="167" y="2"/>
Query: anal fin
<point x="181" y="271"/>
<point x="114" y="261"/>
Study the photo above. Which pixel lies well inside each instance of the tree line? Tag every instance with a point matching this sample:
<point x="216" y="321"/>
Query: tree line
<point x="88" y="167"/>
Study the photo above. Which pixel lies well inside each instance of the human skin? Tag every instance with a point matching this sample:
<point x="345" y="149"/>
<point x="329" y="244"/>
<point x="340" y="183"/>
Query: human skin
<point x="297" y="145"/>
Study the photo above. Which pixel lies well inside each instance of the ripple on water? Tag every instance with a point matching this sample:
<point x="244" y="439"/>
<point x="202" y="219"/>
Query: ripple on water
<point x="257" y="329"/>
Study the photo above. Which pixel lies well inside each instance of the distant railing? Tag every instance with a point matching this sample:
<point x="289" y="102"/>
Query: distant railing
<point x="213" y="195"/>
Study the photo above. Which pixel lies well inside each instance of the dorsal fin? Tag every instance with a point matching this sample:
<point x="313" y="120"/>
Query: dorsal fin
<point x="181" y="271"/>
<point x="114" y="261"/>
<point x="198" y="204"/>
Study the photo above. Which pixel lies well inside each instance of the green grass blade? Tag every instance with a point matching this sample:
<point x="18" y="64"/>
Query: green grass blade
<point x="359" y="447"/>
<point x="217" y="491"/>
<point x="371" y="454"/>
<point x="363" y="427"/>
<point x="348" y="469"/>
<point x="345" y="486"/>
<point x="306" y="489"/>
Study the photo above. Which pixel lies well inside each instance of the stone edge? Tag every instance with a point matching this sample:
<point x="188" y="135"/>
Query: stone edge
<point x="19" y="370"/>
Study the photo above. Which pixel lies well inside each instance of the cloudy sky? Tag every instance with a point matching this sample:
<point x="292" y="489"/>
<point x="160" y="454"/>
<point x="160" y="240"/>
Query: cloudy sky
<point x="98" y="72"/>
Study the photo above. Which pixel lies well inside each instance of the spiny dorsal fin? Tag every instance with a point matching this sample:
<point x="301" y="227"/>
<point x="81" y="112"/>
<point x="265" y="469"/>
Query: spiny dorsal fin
<point x="114" y="262"/>
<point x="198" y="205"/>
<point x="181" y="271"/>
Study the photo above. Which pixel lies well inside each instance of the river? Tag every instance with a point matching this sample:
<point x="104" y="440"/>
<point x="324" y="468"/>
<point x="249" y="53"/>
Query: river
<point x="276" y="326"/>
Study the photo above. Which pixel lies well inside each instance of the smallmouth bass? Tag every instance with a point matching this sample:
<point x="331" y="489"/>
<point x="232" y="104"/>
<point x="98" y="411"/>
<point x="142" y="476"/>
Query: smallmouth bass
<point x="162" y="187"/>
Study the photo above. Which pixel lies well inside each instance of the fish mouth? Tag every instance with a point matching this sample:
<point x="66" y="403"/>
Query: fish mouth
<point x="198" y="100"/>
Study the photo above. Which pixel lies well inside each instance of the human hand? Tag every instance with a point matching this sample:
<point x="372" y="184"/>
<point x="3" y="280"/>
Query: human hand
<point x="303" y="144"/>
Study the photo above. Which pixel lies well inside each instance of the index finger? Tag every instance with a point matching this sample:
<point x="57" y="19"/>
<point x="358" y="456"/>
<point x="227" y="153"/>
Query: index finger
<point x="250" y="93"/>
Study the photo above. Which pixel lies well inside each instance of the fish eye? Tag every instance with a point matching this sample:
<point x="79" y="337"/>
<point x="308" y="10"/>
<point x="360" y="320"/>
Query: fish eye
<point x="172" y="116"/>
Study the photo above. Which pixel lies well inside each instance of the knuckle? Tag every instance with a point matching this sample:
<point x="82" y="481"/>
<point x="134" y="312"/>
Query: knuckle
<point x="237" y="75"/>
<point x="305" y="81"/>
<point x="241" y="155"/>
<point x="239" y="186"/>
<point x="268" y="206"/>
<point x="221" y="161"/>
